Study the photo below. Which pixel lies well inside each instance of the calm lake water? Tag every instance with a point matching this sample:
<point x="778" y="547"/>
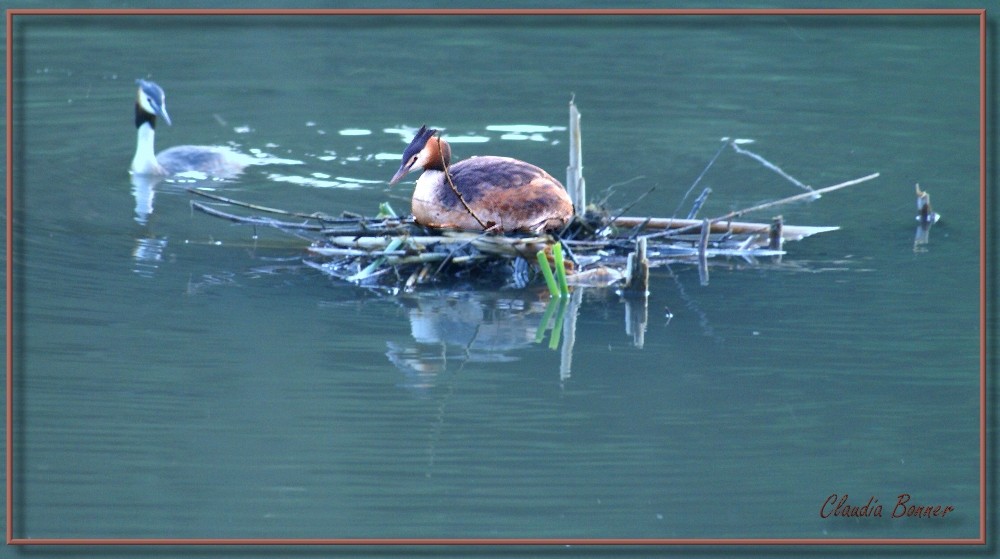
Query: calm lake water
<point x="178" y="376"/>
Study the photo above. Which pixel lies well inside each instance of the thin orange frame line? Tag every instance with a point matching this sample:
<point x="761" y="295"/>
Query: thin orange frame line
<point x="485" y="541"/>
<point x="9" y="337"/>
<point x="982" y="276"/>
<point x="502" y="11"/>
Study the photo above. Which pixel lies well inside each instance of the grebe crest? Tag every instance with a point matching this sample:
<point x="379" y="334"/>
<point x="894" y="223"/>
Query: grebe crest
<point x="497" y="193"/>
<point x="216" y="161"/>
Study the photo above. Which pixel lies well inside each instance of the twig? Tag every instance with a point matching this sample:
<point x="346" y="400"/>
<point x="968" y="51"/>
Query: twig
<point x="626" y="208"/>
<point x="773" y="167"/>
<point x="787" y="230"/>
<point x="447" y="175"/>
<point x="699" y="202"/>
<point x="697" y="180"/>
<point x="451" y="253"/>
<point x="797" y="197"/>
<point x="611" y="189"/>
<point x="256" y="220"/>
<point x="319" y="216"/>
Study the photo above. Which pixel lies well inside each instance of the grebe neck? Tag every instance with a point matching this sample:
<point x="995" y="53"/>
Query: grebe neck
<point x="144" y="162"/>
<point x="439" y="155"/>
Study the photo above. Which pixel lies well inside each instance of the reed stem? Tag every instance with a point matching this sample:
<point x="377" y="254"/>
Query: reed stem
<point x="560" y="263"/>
<point x="543" y="263"/>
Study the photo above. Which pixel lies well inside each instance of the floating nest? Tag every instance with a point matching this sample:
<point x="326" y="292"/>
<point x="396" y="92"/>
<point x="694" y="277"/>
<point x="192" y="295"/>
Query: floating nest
<point x="391" y="252"/>
<point x="595" y="249"/>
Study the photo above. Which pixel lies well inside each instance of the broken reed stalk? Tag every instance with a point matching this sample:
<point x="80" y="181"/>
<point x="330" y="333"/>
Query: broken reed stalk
<point x="557" y="257"/>
<point x="370" y="269"/>
<point x="926" y="215"/>
<point x="637" y="269"/>
<point x="575" y="185"/>
<point x="447" y="175"/>
<point x="543" y="263"/>
<point x="774" y="240"/>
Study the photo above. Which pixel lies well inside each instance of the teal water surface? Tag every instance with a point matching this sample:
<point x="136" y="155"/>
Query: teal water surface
<point x="180" y="376"/>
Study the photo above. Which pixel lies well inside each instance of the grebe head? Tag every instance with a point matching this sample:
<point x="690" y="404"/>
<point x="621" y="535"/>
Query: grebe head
<point x="150" y="103"/>
<point x="424" y="152"/>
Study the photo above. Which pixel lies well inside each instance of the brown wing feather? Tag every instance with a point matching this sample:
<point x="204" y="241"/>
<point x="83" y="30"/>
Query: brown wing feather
<point x="513" y="194"/>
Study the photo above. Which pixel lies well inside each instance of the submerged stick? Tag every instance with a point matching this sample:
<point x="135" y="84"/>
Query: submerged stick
<point x="256" y="220"/>
<point x="265" y="209"/>
<point x="703" y="253"/>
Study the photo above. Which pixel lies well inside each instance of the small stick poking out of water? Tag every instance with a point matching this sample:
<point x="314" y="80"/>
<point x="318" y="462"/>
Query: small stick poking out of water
<point x="637" y="270"/>
<point x="927" y="216"/>
<point x="575" y="184"/>
<point x="774" y="238"/>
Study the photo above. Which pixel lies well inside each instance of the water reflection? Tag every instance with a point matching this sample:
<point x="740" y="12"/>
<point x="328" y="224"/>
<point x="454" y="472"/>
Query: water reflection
<point x="148" y="255"/>
<point x="144" y="188"/>
<point x="148" y="249"/>
<point x="451" y="328"/>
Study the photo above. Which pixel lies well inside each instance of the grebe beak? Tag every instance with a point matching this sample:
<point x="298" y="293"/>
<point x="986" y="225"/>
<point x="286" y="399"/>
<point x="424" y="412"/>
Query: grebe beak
<point x="403" y="169"/>
<point x="159" y="108"/>
<point x="162" y="111"/>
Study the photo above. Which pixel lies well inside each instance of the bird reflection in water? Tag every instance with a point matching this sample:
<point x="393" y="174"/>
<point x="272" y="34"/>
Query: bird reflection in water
<point x="453" y="328"/>
<point x="148" y="250"/>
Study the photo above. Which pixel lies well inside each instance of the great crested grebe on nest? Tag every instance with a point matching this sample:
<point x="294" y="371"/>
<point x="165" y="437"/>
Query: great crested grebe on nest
<point x="497" y="193"/>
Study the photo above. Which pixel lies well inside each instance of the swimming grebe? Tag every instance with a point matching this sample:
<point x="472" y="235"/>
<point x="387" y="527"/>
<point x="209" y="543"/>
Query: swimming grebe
<point x="216" y="161"/>
<point x="505" y="194"/>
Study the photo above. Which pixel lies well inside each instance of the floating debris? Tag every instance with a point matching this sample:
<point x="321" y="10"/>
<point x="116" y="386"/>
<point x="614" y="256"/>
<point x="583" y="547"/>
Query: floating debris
<point x="926" y="217"/>
<point x="925" y="214"/>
